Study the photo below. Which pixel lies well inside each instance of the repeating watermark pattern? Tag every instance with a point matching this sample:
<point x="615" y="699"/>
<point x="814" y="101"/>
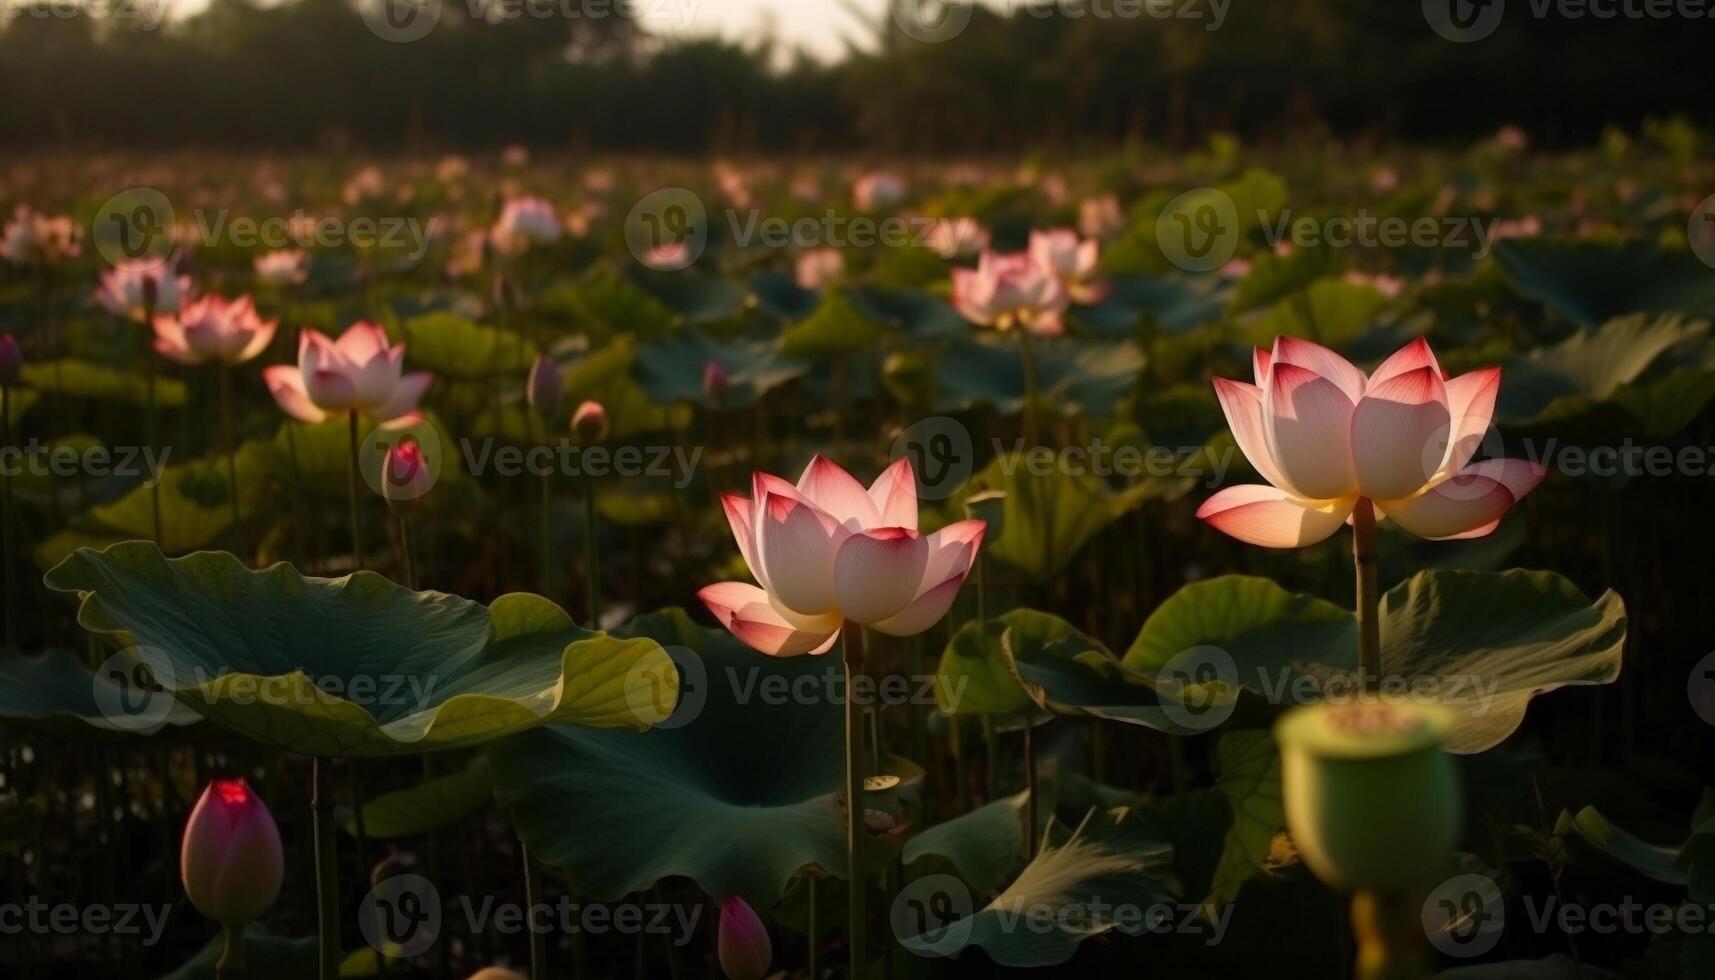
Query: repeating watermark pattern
<point x="938" y="21"/>
<point x="941" y="455"/>
<point x="1465" y="21"/>
<point x="1363" y="229"/>
<point x="133" y="689"/>
<point x="403" y="21"/>
<point x="36" y="916"/>
<point x="677" y="464"/>
<point x="405" y="915"/>
<point x="668" y="229"/>
<point x="650" y="686"/>
<point x="36" y="459"/>
<point x="1199" y="230"/>
<point x="146" y="14"/>
<point x="1465" y="915"/>
<point x="142" y="223"/>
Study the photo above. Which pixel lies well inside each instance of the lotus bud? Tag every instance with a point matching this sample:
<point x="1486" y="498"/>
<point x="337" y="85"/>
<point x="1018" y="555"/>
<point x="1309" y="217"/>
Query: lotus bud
<point x="743" y="945"/>
<point x="11" y="360"/>
<point x="496" y="973"/>
<point x="715" y="381"/>
<point x="544" y="388"/>
<point x="407" y="474"/>
<point x="1372" y="801"/>
<point x="231" y="861"/>
<point x="589" y="423"/>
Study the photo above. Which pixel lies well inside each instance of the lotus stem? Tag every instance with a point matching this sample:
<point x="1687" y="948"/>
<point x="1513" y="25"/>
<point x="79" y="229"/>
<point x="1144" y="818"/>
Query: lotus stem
<point x="991" y="786"/>
<point x="546" y="530"/>
<point x="811" y="929"/>
<point x="1389" y="931"/>
<point x="406" y="566"/>
<point x="231" y="448"/>
<point x="327" y="870"/>
<point x="851" y="646"/>
<point x="1027" y="356"/>
<point x="351" y="493"/>
<point x="1369" y="597"/>
<point x="231" y="963"/>
<point x="150" y="422"/>
<point x="360" y="833"/>
<point x="533" y="897"/>
<point x="592" y="566"/>
<point x="6" y="537"/>
<point x="1030" y="788"/>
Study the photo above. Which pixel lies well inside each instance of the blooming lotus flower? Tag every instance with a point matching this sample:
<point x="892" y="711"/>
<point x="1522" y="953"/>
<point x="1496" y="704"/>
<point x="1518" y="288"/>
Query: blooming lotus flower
<point x="877" y="191"/>
<point x="135" y="288"/>
<point x="1325" y="436"/>
<point x="282" y="267"/>
<point x="819" y="268"/>
<point x="31" y="238"/>
<point x="1070" y="261"/>
<point x="231" y="861"/>
<point x="742" y="943"/>
<point x="359" y="372"/>
<point x="213" y="329"/>
<point x="957" y="238"/>
<point x="1007" y="291"/>
<point x="827" y="551"/>
<point x="523" y="222"/>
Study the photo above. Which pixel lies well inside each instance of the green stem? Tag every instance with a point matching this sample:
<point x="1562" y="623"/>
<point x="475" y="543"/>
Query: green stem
<point x="231" y="964"/>
<point x="1389" y="930"/>
<point x="1027" y="355"/>
<point x="1030" y="786"/>
<point x="360" y="833"/>
<point x="532" y="898"/>
<point x="546" y="530"/>
<point x="6" y="542"/>
<point x="851" y="645"/>
<point x="229" y="446"/>
<point x="327" y="870"/>
<point x="1369" y="596"/>
<point x="592" y="567"/>
<point x="149" y="420"/>
<point x="351" y="493"/>
<point x="812" y="930"/>
<point x="406" y="564"/>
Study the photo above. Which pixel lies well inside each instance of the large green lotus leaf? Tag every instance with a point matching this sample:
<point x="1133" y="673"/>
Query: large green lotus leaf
<point x="605" y="376"/>
<point x="1650" y="860"/>
<point x="430" y="805"/>
<point x="455" y="347"/>
<point x="604" y="303"/>
<point x="836" y="328"/>
<point x="55" y="692"/>
<point x="1249" y="768"/>
<point x="1620" y="380"/>
<point x="975" y="677"/>
<point x="355" y="666"/>
<point x="1484" y="642"/>
<point x="1105" y="862"/>
<point x="1067" y="672"/>
<point x="920" y="315"/>
<point x="82" y="379"/>
<point x="1274" y="277"/>
<point x="1592" y="282"/>
<point x="1331" y="312"/>
<point x="740" y="793"/>
<point x="1174" y="304"/>
<point x="1049" y="517"/>
<point x="982" y="846"/>
<point x="778" y="295"/>
<point x="1086" y="377"/>
<point x="671" y="369"/>
<point x="696" y="297"/>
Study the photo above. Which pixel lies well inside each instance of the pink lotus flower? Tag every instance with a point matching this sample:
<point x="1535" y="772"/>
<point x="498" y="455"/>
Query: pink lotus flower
<point x="360" y="372"/>
<point x="1100" y="217"/>
<point x="282" y="267"/>
<point x="957" y="238"/>
<point x="1326" y="436"/>
<point x="1062" y="256"/>
<point x="1007" y="291"/>
<point x="878" y="191"/>
<point x="523" y="222"/>
<point x="231" y="861"/>
<point x="31" y="238"/>
<point x="819" y="268"/>
<point x="742" y="944"/>
<point x="213" y="329"/>
<point x="589" y="422"/>
<point x="136" y="288"/>
<point x="828" y="551"/>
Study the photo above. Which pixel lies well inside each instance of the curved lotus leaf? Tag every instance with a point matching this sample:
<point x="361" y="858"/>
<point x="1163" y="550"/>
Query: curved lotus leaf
<point x="982" y="845"/>
<point x="55" y="692"/>
<point x="1072" y="375"/>
<point x="920" y="315"/>
<point x="1331" y="312"/>
<point x="698" y="298"/>
<point x="604" y="302"/>
<point x="1635" y="376"/>
<point x="778" y="295"/>
<point x="356" y="666"/>
<point x="455" y="347"/>
<point x="671" y="369"/>
<point x="1175" y="304"/>
<point x="1480" y="643"/>
<point x="429" y="805"/>
<point x="1274" y="278"/>
<point x="975" y="677"/>
<point x="1067" y="894"/>
<point x="1653" y="861"/>
<point x="1050" y="513"/>
<point x="1593" y="282"/>
<point x="836" y="327"/>
<point x="740" y="792"/>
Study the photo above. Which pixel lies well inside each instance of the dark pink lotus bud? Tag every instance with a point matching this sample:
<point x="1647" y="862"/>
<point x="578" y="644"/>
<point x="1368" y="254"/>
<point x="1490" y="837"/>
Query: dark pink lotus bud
<point x="742" y="944"/>
<point x="715" y="380"/>
<point x="231" y="860"/>
<point x="589" y="423"/>
<point x="544" y="389"/>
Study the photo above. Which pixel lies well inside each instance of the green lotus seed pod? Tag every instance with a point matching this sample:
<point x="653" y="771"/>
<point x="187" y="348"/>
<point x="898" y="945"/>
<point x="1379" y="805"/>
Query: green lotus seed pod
<point x="1371" y="799"/>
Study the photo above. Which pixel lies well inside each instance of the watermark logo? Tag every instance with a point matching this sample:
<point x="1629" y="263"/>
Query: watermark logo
<point x="1465" y="915"/>
<point x="403" y="459"/>
<point x="1199" y="230"/>
<point x="1700" y="231"/>
<point x="668" y="230"/>
<point x="401" y="916"/>
<point x="1199" y="684"/>
<point x="931" y="21"/>
<point x="135" y="224"/>
<point x="1464" y="21"/>
<point x="134" y="689"/>
<point x="1700" y="687"/>
<point x="932" y="915"/>
<point x="653" y="683"/>
<point x="941" y="455"/>
<point x="401" y="21"/>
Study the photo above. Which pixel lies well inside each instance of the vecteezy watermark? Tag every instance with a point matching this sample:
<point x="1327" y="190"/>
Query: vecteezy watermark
<point x="932" y="917"/>
<point x="405" y="915"/>
<point x="1465" y="21"/>
<point x="935" y="21"/>
<point x="1465" y="915"/>
<point x="668" y="229"/>
<point x="141" y="223"/>
<point x="1126" y="461"/>
<point x="1700" y="231"/>
<point x="677" y="464"/>
<point x="147" y="14"/>
<point x="34" y="916"/>
<point x="1700" y="688"/>
<point x="133" y="689"/>
<point x="402" y="21"/>
<point x="63" y="461"/>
